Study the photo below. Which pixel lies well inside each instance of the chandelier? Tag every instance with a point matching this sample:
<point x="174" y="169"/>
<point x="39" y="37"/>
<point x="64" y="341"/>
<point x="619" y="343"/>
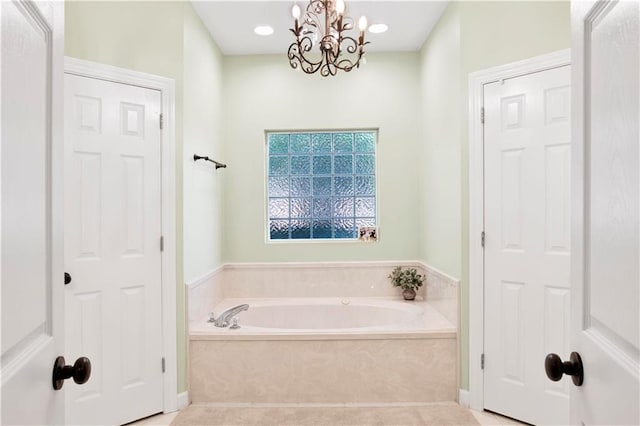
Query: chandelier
<point x="324" y="24"/>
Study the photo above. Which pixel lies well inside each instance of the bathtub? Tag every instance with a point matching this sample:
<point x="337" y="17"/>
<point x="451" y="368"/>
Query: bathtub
<point x="325" y="317"/>
<point x="324" y="350"/>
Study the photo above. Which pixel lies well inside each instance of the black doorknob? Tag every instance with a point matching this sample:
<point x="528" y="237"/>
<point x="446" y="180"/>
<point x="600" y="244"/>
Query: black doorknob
<point x="555" y="368"/>
<point x="67" y="278"/>
<point x="80" y="371"/>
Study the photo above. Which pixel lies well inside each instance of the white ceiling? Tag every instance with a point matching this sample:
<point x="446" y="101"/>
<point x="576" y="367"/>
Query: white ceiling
<point x="231" y="23"/>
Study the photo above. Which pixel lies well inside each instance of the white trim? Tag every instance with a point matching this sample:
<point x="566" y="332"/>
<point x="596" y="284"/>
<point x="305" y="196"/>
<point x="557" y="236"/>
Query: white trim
<point x="206" y="277"/>
<point x="183" y="400"/>
<point x="463" y="398"/>
<point x="477" y="80"/>
<point x="301" y="265"/>
<point x="166" y="86"/>
<point x="438" y="273"/>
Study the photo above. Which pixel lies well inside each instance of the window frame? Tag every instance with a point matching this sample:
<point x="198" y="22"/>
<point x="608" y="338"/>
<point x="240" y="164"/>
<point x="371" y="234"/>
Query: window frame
<point x="266" y="175"/>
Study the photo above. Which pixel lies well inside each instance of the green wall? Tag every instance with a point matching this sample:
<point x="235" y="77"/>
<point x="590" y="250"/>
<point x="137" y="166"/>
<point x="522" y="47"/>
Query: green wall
<point x="440" y="240"/>
<point x="202" y="191"/>
<point x="264" y="93"/>
<point x="418" y="100"/>
<point x="167" y="39"/>
<point x="480" y="35"/>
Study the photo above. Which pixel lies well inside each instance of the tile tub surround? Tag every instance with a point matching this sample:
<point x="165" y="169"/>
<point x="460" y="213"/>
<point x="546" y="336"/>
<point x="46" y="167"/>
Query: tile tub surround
<point x="370" y="368"/>
<point x="323" y="371"/>
<point x="442" y="292"/>
<point x="203" y="293"/>
<point x="316" y="279"/>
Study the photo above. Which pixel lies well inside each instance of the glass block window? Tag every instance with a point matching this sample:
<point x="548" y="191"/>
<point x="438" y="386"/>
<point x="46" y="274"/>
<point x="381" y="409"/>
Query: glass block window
<point x="321" y="185"/>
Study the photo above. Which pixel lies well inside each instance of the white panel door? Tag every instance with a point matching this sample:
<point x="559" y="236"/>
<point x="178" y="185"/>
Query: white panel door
<point x="32" y="274"/>
<point x="606" y="222"/>
<point x="527" y="212"/>
<point x="112" y="248"/>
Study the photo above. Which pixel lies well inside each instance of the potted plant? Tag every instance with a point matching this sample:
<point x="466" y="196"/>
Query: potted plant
<point x="409" y="280"/>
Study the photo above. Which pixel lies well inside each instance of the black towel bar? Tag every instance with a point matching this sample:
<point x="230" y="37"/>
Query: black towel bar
<point x="197" y="157"/>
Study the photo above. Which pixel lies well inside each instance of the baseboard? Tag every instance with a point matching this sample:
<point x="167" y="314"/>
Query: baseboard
<point x="183" y="400"/>
<point x="463" y="398"/>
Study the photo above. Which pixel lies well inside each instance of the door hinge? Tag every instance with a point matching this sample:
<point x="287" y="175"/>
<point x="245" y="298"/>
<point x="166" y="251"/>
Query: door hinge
<point x="482" y="239"/>
<point x="163" y="365"/>
<point x="162" y="243"/>
<point x="482" y="361"/>
<point x="161" y="121"/>
<point x="482" y="115"/>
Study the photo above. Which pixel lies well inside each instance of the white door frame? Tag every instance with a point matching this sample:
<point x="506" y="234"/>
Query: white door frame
<point x="477" y="80"/>
<point x="166" y="86"/>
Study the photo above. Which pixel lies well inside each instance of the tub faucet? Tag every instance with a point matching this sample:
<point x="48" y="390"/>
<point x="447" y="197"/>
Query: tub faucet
<point x="224" y="318"/>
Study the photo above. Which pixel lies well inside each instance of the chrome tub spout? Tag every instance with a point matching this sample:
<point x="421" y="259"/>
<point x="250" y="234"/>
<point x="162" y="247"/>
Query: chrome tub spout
<point x="224" y="318"/>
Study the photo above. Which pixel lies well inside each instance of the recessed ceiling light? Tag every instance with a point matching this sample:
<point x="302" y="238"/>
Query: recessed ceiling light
<point x="263" y="30"/>
<point x="378" y="28"/>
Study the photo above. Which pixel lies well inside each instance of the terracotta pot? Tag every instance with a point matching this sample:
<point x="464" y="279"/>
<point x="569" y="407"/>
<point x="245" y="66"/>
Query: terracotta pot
<point x="409" y="294"/>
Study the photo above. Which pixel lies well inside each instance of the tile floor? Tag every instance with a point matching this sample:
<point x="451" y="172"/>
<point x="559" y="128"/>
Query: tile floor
<point x="447" y="413"/>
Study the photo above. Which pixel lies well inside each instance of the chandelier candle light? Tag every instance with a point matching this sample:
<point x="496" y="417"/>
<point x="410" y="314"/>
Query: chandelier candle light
<point x="324" y="20"/>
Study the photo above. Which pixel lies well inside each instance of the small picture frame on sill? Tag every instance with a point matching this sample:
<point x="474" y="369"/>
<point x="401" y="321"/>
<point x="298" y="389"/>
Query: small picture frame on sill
<point x="368" y="234"/>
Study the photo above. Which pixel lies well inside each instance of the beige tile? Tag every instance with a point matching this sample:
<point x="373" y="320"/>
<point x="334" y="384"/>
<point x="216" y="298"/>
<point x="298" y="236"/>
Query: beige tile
<point x="485" y="418"/>
<point x="445" y="414"/>
<point x="332" y="279"/>
<point x="442" y="293"/>
<point x="508" y="421"/>
<point x="258" y="416"/>
<point x="198" y="416"/>
<point x="489" y="418"/>
<point x="323" y="371"/>
<point x="203" y="294"/>
<point x="236" y="416"/>
<point x="353" y="416"/>
<point x="157" y="420"/>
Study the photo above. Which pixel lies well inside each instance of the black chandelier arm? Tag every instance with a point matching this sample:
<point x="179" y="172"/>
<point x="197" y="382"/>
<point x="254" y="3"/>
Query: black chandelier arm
<point x="328" y="67"/>
<point x="305" y="44"/>
<point x="353" y="48"/>
<point x="328" y="63"/>
<point x="297" y="59"/>
<point x="350" y="43"/>
<point x="347" y="64"/>
<point x="301" y="46"/>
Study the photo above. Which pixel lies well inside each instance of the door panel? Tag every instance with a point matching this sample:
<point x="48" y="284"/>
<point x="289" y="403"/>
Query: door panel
<point x="606" y="237"/>
<point x="31" y="167"/>
<point x="112" y="248"/>
<point x="613" y="174"/>
<point x="527" y="167"/>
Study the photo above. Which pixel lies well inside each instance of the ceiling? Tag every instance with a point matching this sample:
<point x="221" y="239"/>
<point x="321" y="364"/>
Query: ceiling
<point x="231" y="23"/>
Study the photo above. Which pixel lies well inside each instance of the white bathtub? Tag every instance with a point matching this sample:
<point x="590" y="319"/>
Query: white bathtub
<point x="328" y="317"/>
